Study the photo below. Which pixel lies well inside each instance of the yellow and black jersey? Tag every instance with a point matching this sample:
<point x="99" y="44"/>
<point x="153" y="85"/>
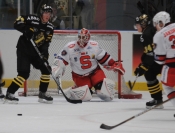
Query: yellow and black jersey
<point x="42" y="33"/>
<point x="147" y="40"/>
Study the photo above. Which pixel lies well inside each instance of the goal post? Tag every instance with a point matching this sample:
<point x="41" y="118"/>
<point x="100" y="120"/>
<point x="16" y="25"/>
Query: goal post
<point x="109" y="40"/>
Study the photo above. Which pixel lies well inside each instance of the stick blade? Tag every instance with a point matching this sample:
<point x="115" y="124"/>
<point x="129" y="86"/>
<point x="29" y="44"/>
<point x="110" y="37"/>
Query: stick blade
<point x="103" y="126"/>
<point x="74" y="101"/>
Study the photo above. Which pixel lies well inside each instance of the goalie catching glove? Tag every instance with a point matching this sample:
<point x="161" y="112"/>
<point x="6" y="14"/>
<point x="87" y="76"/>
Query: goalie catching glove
<point x="140" y="70"/>
<point x="117" y="66"/>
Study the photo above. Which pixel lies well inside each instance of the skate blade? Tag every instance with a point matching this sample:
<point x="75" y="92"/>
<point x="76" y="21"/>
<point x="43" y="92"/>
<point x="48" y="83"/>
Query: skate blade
<point x="159" y="107"/>
<point x="44" y="101"/>
<point x="9" y="102"/>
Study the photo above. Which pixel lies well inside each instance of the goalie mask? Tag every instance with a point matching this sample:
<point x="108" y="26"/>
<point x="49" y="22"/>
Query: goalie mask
<point x="161" y="18"/>
<point x="143" y="20"/>
<point x="83" y="37"/>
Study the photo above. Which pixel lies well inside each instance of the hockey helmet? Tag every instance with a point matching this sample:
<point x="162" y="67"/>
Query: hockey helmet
<point x="45" y="8"/>
<point x="83" y="37"/>
<point x="143" y="20"/>
<point x="162" y="17"/>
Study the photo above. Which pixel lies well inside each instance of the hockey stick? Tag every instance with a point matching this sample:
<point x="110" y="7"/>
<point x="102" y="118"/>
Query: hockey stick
<point x="130" y="84"/>
<point x="103" y="126"/>
<point x="58" y="84"/>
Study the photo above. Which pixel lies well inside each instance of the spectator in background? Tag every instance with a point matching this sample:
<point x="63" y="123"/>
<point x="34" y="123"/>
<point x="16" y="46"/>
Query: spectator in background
<point x="8" y="12"/>
<point x="55" y="20"/>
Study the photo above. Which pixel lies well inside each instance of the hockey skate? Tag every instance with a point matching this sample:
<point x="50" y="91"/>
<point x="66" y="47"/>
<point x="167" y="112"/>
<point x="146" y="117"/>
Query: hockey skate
<point x="10" y="98"/>
<point x="153" y="103"/>
<point x="45" y="98"/>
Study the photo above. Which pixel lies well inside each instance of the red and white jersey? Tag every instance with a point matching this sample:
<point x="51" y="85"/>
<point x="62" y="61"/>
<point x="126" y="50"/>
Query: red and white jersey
<point x="164" y="45"/>
<point x="85" y="60"/>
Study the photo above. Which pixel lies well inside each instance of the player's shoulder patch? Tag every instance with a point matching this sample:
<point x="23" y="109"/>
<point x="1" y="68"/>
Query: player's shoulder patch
<point x="71" y="45"/>
<point x="93" y="43"/>
<point x="64" y="52"/>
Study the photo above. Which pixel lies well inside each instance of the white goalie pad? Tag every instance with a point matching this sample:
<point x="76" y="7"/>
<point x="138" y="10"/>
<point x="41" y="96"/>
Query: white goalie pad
<point x="58" y="68"/>
<point x="80" y="93"/>
<point x="107" y="91"/>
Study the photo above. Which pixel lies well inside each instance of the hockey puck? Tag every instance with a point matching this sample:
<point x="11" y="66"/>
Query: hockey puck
<point x="19" y="114"/>
<point x="174" y="115"/>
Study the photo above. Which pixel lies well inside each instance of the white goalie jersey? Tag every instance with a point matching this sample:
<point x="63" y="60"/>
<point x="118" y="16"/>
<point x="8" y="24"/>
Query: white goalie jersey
<point x="86" y="59"/>
<point x="164" y="45"/>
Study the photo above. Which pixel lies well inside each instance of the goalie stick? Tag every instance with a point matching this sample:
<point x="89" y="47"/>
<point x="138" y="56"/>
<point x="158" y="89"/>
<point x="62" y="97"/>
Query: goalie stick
<point x="104" y="126"/>
<point x="58" y="84"/>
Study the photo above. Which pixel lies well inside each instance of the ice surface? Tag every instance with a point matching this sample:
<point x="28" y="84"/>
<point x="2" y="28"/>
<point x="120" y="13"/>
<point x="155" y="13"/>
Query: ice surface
<point x="64" y="117"/>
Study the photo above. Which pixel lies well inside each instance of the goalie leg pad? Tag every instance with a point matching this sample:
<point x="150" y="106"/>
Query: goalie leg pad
<point x="80" y="93"/>
<point x="107" y="90"/>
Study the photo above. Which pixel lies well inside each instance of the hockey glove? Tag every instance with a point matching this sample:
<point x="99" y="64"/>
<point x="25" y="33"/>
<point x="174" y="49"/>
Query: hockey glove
<point x="29" y="33"/>
<point x="45" y="60"/>
<point x="140" y="70"/>
<point x="117" y="66"/>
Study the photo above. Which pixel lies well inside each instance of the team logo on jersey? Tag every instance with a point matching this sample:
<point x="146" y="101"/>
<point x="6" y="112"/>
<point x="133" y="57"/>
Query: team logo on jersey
<point x="93" y="43"/>
<point x="154" y="46"/>
<point x="33" y="18"/>
<point x="141" y="39"/>
<point x="76" y="50"/>
<point x="75" y="59"/>
<point x="89" y="47"/>
<point x="71" y="45"/>
<point x="63" y="53"/>
<point x="93" y="56"/>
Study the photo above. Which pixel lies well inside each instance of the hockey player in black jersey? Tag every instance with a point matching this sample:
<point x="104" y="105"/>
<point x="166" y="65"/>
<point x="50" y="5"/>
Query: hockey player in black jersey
<point x="1" y="73"/>
<point x="148" y="67"/>
<point x="40" y="30"/>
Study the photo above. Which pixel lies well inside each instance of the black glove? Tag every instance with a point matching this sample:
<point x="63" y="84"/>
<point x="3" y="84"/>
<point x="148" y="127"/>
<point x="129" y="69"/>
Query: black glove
<point x="140" y="70"/>
<point x="29" y="33"/>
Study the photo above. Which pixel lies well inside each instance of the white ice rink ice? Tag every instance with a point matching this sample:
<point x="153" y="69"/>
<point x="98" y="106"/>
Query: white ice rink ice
<point x="64" y="117"/>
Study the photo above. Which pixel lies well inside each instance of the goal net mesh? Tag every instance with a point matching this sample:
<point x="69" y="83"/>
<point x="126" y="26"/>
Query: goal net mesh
<point x="110" y="41"/>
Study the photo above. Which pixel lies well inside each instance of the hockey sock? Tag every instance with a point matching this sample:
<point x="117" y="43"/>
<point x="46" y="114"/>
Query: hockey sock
<point x="16" y="83"/>
<point x="44" y="83"/>
<point x="154" y="89"/>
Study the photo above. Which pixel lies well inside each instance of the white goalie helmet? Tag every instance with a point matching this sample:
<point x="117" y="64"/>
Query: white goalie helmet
<point x="163" y="17"/>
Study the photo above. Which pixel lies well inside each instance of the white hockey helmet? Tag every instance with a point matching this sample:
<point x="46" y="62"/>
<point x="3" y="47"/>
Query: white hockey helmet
<point x="83" y="37"/>
<point x="163" y="17"/>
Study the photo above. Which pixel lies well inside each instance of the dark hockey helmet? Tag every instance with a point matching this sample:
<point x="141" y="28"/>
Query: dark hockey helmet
<point x="143" y="20"/>
<point x="45" y="8"/>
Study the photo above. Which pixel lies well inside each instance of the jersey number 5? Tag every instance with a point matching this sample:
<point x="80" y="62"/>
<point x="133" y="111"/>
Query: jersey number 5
<point x="86" y="63"/>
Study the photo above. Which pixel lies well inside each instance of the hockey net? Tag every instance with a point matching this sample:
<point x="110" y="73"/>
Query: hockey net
<point x="107" y="39"/>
